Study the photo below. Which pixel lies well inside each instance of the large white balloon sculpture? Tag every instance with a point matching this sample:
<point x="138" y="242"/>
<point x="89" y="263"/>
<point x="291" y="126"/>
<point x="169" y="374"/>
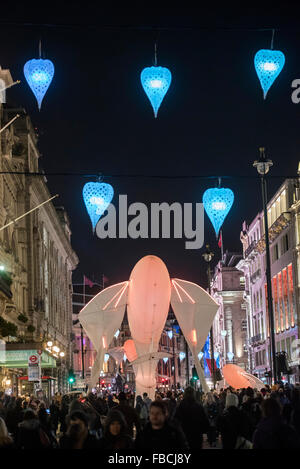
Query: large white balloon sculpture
<point x="148" y="295"/>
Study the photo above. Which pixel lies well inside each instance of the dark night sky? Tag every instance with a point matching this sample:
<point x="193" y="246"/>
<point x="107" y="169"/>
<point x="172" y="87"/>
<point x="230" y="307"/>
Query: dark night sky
<point x="95" y="116"/>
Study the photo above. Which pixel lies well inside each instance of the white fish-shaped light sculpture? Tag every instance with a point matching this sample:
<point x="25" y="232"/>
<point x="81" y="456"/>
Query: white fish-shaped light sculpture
<point x="148" y="295"/>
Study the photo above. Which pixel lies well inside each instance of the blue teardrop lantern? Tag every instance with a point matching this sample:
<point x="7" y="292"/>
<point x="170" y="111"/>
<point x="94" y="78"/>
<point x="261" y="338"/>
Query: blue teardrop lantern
<point x="97" y="197"/>
<point x="217" y="203"/>
<point x="39" y="74"/>
<point x="156" y="82"/>
<point x="268" y="64"/>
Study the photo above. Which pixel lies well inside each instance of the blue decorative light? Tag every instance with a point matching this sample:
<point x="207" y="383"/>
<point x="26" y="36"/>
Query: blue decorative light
<point x="156" y="82"/>
<point x="125" y="357"/>
<point x="181" y="356"/>
<point x="230" y="355"/>
<point x="39" y="74"/>
<point x="217" y="203"/>
<point x="200" y="355"/>
<point x="106" y="357"/>
<point x="170" y="334"/>
<point x="268" y="64"/>
<point x="97" y="197"/>
<point x="216" y="354"/>
<point x="117" y="334"/>
<point x="165" y="359"/>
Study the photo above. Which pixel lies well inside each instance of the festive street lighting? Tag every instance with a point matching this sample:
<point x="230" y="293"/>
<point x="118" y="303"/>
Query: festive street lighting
<point x="208" y="256"/>
<point x="97" y="197"/>
<point x="217" y="202"/>
<point x="263" y="166"/>
<point x="39" y="74"/>
<point x="49" y="343"/>
<point x="268" y="64"/>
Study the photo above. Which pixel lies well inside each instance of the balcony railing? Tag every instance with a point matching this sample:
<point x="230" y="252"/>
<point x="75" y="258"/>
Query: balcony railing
<point x="256" y="275"/>
<point x="278" y="226"/>
<point x="257" y="338"/>
<point x="250" y="248"/>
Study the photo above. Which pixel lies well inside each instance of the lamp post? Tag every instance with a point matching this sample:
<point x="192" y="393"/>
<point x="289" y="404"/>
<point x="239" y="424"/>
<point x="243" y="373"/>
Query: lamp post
<point x="263" y="165"/>
<point x="208" y="256"/>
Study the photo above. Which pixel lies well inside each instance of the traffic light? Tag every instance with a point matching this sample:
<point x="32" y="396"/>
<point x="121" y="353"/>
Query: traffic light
<point x="195" y="374"/>
<point x="71" y="377"/>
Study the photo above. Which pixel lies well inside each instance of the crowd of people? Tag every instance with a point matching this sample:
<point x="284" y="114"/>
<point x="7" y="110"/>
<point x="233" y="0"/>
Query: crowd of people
<point x="228" y="419"/>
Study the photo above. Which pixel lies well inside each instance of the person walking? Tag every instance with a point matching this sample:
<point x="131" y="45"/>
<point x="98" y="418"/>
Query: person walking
<point x="212" y="412"/>
<point x="116" y="435"/>
<point x="77" y="435"/>
<point x="159" y="434"/>
<point x="129" y="413"/>
<point x="272" y="432"/>
<point x="192" y="418"/>
<point x="142" y="410"/>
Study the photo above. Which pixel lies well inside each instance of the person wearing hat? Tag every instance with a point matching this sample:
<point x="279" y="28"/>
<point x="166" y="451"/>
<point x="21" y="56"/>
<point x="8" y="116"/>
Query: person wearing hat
<point x="77" y="435"/>
<point x="116" y="435"/>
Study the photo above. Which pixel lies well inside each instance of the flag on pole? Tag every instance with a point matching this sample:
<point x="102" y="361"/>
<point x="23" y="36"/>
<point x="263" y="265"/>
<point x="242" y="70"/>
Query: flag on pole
<point x="88" y="282"/>
<point x="220" y="242"/>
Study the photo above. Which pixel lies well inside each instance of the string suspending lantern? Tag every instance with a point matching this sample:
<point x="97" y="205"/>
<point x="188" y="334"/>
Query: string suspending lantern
<point x="39" y="74"/>
<point x="217" y="202"/>
<point x="156" y="82"/>
<point x="97" y="197"/>
<point x="268" y="65"/>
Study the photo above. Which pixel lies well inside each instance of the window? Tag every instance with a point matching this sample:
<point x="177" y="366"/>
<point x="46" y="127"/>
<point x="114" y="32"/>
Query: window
<point x="242" y="281"/>
<point x="275" y="253"/>
<point x="244" y="325"/>
<point x="284" y="244"/>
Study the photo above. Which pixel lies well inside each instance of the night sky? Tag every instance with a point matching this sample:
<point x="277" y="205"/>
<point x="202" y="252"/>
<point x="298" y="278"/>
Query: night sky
<point x="96" y="117"/>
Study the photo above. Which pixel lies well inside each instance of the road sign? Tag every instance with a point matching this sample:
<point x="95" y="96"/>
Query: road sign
<point x="34" y="368"/>
<point x="33" y="359"/>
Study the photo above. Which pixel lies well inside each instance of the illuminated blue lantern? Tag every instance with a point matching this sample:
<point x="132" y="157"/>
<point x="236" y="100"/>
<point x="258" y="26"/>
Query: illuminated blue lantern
<point x="97" y="197"/>
<point x="181" y="356"/>
<point x="165" y="359"/>
<point x="268" y="64"/>
<point x="106" y="357"/>
<point x="39" y="74"/>
<point x="170" y="334"/>
<point x="200" y="355"/>
<point x="217" y="203"/>
<point x="156" y="82"/>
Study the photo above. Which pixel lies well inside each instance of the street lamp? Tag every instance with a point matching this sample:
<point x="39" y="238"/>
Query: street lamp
<point x="263" y="165"/>
<point x="208" y="256"/>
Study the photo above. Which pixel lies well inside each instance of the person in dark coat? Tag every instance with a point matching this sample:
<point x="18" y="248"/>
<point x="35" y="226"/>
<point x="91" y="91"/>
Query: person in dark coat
<point x="14" y="415"/>
<point x="6" y="441"/>
<point x="116" y="435"/>
<point x="30" y="435"/>
<point x="129" y="413"/>
<point x="272" y="432"/>
<point x="191" y="416"/>
<point x="77" y="435"/>
<point x="159" y="433"/>
<point x="233" y="424"/>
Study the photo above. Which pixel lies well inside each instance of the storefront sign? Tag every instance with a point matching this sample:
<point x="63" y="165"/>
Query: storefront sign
<point x="19" y="359"/>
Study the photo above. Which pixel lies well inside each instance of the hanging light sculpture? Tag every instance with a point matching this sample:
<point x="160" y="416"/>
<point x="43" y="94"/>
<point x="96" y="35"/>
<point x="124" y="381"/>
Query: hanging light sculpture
<point x="170" y="334"/>
<point x="181" y="356"/>
<point x="97" y="197"/>
<point x="39" y="74"/>
<point x="200" y="355"/>
<point x="217" y="203"/>
<point x="106" y="357"/>
<point x="268" y="64"/>
<point x="165" y="359"/>
<point x="230" y="356"/>
<point x="156" y="82"/>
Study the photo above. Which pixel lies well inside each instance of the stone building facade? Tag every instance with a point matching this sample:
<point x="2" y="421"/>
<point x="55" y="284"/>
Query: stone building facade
<point x="36" y="257"/>
<point x="284" y="235"/>
<point x="230" y="323"/>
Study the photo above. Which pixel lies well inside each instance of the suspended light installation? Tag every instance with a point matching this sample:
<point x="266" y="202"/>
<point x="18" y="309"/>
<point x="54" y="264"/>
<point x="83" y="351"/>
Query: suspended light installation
<point x="170" y="334"/>
<point x="165" y="359"/>
<point x="97" y="197"/>
<point x="200" y="355"/>
<point x="181" y="356"/>
<point x="268" y="64"/>
<point x="39" y="74"/>
<point x="217" y="203"/>
<point x="156" y="82"/>
<point x="106" y="357"/>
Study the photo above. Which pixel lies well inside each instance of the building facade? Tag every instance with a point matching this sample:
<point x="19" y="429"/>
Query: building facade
<point x="284" y="235"/>
<point x="230" y="323"/>
<point x="36" y="262"/>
